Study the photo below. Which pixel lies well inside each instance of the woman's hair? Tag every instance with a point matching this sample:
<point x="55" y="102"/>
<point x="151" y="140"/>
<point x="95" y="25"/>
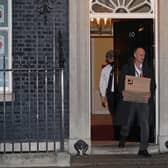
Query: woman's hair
<point x="110" y="54"/>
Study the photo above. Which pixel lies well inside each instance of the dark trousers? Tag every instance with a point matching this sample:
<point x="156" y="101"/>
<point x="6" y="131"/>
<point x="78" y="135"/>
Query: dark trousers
<point x="111" y="101"/>
<point x="142" y="112"/>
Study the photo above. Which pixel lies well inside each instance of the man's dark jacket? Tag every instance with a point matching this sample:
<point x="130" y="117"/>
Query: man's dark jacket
<point x="122" y="111"/>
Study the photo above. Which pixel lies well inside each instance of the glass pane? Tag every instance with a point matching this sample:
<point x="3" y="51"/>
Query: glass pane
<point x="3" y="13"/>
<point x="121" y="6"/>
<point x="4" y="58"/>
<point x="2" y="77"/>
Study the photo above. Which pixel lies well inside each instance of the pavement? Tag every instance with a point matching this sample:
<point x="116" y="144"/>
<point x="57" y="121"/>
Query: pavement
<point x="102" y="156"/>
<point x="117" y="161"/>
<point x="120" y="161"/>
<point x="35" y="160"/>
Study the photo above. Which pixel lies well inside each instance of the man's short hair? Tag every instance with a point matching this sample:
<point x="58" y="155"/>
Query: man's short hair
<point x="110" y="54"/>
<point x="135" y="49"/>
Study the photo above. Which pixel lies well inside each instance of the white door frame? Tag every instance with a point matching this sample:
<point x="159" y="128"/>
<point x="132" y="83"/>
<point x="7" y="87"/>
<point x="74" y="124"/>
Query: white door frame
<point x="153" y="16"/>
<point x="80" y="71"/>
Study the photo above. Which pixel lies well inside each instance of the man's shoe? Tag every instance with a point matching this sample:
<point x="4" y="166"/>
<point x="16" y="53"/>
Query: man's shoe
<point x="121" y="145"/>
<point x="144" y="153"/>
<point x="122" y="142"/>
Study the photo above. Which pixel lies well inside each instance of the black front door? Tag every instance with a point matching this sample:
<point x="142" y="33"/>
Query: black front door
<point x="129" y="34"/>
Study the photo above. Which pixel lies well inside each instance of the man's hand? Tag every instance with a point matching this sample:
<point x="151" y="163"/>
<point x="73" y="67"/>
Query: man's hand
<point x="147" y="96"/>
<point x="104" y="101"/>
<point x="124" y="94"/>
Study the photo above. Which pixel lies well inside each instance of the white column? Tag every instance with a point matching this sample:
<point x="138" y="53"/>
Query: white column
<point x="79" y="72"/>
<point x="163" y="77"/>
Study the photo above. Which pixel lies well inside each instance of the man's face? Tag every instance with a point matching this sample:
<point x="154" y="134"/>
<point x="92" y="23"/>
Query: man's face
<point x="139" y="55"/>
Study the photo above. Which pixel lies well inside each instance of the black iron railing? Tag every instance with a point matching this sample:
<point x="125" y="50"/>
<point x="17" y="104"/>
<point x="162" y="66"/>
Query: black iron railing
<point x="32" y="117"/>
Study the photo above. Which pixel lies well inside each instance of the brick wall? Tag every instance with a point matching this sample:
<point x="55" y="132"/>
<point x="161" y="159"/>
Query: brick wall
<point x="31" y="115"/>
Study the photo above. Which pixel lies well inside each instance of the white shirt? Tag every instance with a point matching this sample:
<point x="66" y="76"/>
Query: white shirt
<point x="138" y="72"/>
<point x="104" y="78"/>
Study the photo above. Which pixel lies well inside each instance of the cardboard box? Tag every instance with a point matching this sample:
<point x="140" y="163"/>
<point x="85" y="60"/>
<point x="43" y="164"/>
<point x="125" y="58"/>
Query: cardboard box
<point x="137" y="84"/>
<point x="137" y="97"/>
<point x="136" y="89"/>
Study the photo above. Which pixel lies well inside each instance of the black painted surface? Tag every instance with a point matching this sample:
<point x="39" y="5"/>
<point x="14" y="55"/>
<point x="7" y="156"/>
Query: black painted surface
<point x="33" y="49"/>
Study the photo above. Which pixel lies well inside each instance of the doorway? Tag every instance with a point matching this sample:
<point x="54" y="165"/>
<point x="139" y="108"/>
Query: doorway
<point x="122" y="36"/>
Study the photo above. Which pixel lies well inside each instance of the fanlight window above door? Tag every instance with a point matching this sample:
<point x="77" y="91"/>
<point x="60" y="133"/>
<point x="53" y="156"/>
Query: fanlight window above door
<point x="123" y="7"/>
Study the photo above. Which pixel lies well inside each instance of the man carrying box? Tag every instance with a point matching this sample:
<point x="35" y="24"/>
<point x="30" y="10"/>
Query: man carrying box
<point x="135" y="103"/>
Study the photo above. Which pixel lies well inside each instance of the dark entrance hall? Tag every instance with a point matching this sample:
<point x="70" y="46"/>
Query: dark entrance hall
<point x="126" y="35"/>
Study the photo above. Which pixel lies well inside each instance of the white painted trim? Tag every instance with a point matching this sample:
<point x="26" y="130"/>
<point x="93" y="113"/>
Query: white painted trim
<point x="127" y="7"/>
<point x="153" y="16"/>
<point x="7" y="98"/>
<point x="79" y="71"/>
<point x="9" y="31"/>
<point x="92" y="82"/>
<point x="154" y="6"/>
<point x="123" y="15"/>
<point x="156" y="71"/>
<point x="24" y="146"/>
<point x="10" y="42"/>
<point x="4" y="28"/>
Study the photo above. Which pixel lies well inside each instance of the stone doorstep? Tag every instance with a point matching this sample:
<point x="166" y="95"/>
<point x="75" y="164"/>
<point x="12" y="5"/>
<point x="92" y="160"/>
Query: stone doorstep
<point x="115" y="150"/>
<point x="104" y="155"/>
<point x="60" y="159"/>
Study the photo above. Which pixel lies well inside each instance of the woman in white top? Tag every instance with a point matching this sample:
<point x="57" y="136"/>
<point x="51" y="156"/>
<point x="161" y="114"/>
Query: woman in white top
<point x="106" y="84"/>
